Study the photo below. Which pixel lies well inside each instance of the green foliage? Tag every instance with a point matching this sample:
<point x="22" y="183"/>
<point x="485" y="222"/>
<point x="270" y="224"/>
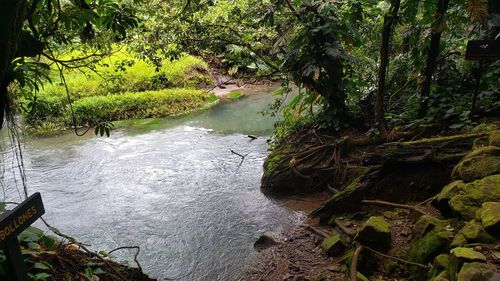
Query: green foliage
<point x="89" y="110"/>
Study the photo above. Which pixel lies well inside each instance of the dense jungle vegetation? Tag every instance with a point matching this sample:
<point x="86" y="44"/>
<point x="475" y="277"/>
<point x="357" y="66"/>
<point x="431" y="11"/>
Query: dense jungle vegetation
<point x="367" y="72"/>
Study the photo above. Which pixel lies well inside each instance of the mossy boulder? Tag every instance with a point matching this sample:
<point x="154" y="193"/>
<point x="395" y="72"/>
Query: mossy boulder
<point x="442" y="200"/>
<point x="464" y="199"/>
<point x="439" y="265"/>
<point x="494" y="138"/>
<point x="472" y="232"/>
<point x="375" y="232"/>
<point x="424" y="249"/>
<point x="459" y="256"/>
<point x="443" y="276"/>
<point x="334" y="245"/>
<point x="476" y="271"/>
<point x="478" y="164"/>
<point x="425" y="224"/>
<point x="490" y="217"/>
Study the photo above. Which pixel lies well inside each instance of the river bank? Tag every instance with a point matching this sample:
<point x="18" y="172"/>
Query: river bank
<point x="399" y="221"/>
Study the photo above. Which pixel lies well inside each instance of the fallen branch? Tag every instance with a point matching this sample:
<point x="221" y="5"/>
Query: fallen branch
<point x="72" y="240"/>
<point x="344" y="229"/>
<point x="396" y="258"/>
<point x="136" y="255"/>
<point x="395" y="205"/>
<point x="354" y="263"/>
<point x="315" y="230"/>
<point x="240" y="155"/>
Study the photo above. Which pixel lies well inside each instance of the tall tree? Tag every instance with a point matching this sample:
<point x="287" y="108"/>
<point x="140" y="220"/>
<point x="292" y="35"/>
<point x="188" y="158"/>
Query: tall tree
<point x="432" y="54"/>
<point x="389" y="20"/>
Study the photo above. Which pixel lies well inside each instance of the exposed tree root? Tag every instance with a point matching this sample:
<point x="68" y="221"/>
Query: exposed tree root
<point x="354" y="263"/>
<point x="395" y="205"/>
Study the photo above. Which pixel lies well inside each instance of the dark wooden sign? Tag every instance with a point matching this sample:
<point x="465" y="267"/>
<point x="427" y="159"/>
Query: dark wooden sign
<point x="12" y="223"/>
<point x="483" y="50"/>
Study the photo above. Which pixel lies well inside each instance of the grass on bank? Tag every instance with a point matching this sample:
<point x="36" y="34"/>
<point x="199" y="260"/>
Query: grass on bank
<point x="121" y="86"/>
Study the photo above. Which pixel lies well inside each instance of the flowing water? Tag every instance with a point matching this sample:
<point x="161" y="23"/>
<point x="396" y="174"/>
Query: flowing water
<point x="171" y="186"/>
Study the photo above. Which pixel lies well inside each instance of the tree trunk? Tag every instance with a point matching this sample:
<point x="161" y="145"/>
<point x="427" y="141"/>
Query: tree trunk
<point x="432" y="56"/>
<point x="12" y="14"/>
<point x="389" y="20"/>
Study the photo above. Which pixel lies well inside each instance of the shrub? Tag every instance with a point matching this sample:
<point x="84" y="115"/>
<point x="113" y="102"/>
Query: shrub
<point x="91" y="110"/>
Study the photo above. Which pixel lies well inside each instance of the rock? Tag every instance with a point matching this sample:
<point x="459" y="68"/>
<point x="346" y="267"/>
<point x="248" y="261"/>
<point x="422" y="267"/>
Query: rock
<point x="375" y="232"/>
<point x="490" y="217"/>
<point x="476" y="271"/>
<point x="471" y="232"/>
<point x="424" y="249"/>
<point x="439" y="265"/>
<point x="265" y="241"/>
<point x="464" y="199"/>
<point x="459" y="256"/>
<point x="425" y="224"/>
<point x="443" y="276"/>
<point x="494" y="138"/>
<point x="443" y="198"/>
<point x="334" y="245"/>
<point x="478" y="164"/>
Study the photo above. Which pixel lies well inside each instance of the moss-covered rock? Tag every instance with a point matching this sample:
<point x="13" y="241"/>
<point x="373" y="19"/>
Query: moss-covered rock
<point x="478" y="164"/>
<point x="442" y="200"/>
<point x="424" y="249"/>
<point x="464" y="199"/>
<point x="334" y="245"/>
<point x="471" y="232"/>
<point x="494" y="138"/>
<point x="459" y="256"/>
<point x="490" y="217"/>
<point x="476" y="271"/>
<point x="443" y="276"/>
<point x="425" y="224"/>
<point x="375" y="232"/>
<point x="439" y="265"/>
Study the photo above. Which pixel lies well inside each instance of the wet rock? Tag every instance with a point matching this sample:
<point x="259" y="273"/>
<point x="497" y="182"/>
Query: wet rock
<point x="375" y="232"/>
<point x="459" y="256"/>
<point x="472" y="232"/>
<point x="265" y="241"/>
<point x="334" y="245"/>
<point x="476" y="271"/>
<point x="464" y="199"/>
<point x="490" y="217"/>
<point x="478" y="164"/>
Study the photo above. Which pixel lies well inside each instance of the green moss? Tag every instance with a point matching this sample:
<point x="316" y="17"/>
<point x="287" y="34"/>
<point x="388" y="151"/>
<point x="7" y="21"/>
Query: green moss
<point x="425" y="224"/>
<point x="459" y="256"/>
<point x="235" y="95"/>
<point x="467" y="254"/>
<point x="476" y="271"/>
<point x="424" y="249"/>
<point x="471" y="232"/>
<point x="490" y="217"/>
<point x="478" y="164"/>
<point x="443" y="198"/>
<point x="439" y="265"/>
<point x="443" y="276"/>
<point x="494" y="138"/>
<point x="470" y="196"/>
<point x="375" y="232"/>
<point x="334" y="245"/>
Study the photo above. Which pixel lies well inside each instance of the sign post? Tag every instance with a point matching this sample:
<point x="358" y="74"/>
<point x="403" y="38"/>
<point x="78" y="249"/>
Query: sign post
<point x="12" y="223"/>
<point x="481" y="50"/>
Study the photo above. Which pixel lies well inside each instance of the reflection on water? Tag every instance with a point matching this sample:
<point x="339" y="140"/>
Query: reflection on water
<point x="170" y="186"/>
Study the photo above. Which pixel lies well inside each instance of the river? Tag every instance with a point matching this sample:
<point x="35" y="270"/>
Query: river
<point x="171" y="186"/>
